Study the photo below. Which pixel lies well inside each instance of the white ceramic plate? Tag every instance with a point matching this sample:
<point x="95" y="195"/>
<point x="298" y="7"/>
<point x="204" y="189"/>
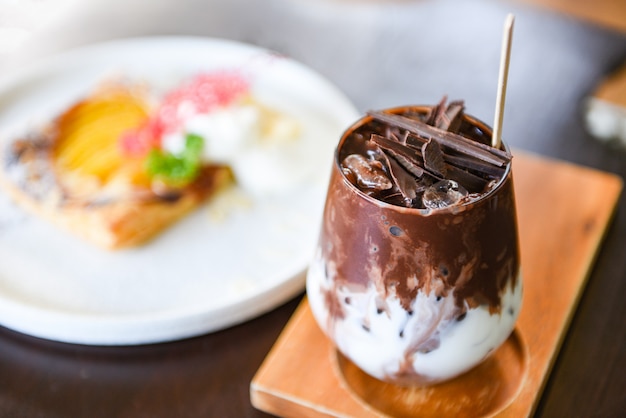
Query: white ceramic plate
<point x="202" y="274"/>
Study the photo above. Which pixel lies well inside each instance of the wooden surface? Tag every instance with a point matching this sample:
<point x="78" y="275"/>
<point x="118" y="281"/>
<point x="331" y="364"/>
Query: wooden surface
<point x="380" y="54"/>
<point x="327" y="384"/>
<point x="484" y="391"/>
<point x="560" y="233"/>
<point x="613" y="88"/>
<point x="609" y="13"/>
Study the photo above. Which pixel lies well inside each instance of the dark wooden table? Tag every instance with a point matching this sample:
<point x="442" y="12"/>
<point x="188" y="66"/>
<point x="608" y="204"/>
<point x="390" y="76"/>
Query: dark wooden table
<point x="381" y="54"/>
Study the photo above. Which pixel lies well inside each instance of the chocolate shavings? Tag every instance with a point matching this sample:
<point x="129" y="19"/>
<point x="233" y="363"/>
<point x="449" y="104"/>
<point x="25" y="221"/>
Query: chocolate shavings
<point x="405" y="155"/>
<point x="433" y="158"/>
<point x="448" y="140"/>
<point x="405" y="182"/>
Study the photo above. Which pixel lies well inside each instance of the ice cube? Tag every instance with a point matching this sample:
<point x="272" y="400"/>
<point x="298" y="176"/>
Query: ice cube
<point x="442" y="194"/>
<point x="369" y="174"/>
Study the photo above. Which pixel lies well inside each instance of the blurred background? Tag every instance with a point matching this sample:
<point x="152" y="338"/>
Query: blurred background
<point x="388" y="53"/>
<point x="380" y="53"/>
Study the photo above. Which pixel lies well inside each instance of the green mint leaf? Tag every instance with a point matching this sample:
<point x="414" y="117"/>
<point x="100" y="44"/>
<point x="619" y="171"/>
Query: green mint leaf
<point x="176" y="170"/>
<point x="193" y="145"/>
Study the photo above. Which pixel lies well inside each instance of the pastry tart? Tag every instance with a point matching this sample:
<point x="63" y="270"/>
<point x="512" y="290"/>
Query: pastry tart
<point x="99" y="171"/>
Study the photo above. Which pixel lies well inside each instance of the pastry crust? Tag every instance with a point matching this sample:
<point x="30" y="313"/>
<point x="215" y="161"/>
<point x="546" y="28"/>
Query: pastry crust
<point x="124" y="222"/>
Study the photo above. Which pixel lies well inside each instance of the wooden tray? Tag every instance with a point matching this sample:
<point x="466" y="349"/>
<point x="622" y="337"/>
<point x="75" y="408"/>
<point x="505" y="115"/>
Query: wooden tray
<point x="563" y="213"/>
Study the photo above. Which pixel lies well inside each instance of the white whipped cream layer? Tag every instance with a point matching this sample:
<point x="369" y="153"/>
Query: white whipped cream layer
<point x="378" y="342"/>
<point x="268" y="150"/>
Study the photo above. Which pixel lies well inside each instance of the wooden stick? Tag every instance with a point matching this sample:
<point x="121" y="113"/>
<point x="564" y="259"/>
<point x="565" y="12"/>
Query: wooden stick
<point x="505" y="55"/>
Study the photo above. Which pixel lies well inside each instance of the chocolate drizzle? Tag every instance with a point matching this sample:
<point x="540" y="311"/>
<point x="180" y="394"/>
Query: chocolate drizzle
<point x="472" y="235"/>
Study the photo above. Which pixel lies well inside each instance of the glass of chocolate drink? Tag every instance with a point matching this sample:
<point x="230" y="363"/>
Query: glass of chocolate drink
<point x="416" y="277"/>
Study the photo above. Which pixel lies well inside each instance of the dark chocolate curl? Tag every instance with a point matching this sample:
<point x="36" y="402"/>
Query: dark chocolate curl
<point x="433" y="158"/>
<point x="409" y="158"/>
<point x="451" y="120"/>
<point x="406" y="183"/>
<point x="449" y="140"/>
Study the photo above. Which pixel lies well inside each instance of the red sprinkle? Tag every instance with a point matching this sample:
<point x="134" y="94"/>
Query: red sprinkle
<point x="202" y="94"/>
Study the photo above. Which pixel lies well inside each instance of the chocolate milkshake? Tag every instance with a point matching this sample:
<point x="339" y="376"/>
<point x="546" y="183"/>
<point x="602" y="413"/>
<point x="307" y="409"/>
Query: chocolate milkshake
<point x="416" y="277"/>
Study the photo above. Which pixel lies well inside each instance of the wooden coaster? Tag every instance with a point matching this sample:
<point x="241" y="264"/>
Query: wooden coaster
<point x="483" y="391"/>
<point x="563" y="213"/>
